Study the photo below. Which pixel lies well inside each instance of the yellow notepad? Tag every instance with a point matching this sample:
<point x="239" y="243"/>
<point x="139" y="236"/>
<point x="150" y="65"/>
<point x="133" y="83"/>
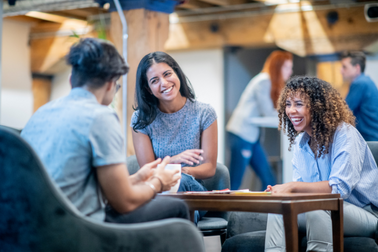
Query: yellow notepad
<point x="251" y="193"/>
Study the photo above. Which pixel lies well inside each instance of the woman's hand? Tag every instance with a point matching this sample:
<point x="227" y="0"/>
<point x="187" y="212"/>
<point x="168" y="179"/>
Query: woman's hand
<point x="301" y="187"/>
<point x="282" y="188"/>
<point x="167" y="178"/>
<point x="189" y="157"/>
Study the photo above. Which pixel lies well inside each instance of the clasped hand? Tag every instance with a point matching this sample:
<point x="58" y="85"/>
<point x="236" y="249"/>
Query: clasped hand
<point x="168" y="178"/>
<point x="189" y="157"/>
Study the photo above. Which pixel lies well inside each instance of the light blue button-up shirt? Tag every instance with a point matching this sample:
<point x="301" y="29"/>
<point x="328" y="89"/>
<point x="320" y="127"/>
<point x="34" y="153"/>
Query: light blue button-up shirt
<point x="349" y="166"/>
<point x="72" y="136"/>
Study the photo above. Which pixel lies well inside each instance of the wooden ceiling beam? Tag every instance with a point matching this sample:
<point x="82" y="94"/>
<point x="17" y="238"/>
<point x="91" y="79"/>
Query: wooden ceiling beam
<point x="47" y="49"/>
<point x="303" y="33"/>
<point x="194" y="4"/>
<point x="25" y="19"/>
<point x="225" y="2"/>
<point x="81" y="14"/>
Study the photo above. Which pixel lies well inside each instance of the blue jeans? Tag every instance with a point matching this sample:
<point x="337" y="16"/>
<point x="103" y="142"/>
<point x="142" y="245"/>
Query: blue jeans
<point x="189" y="183"/>
<point x="244" y="153"/>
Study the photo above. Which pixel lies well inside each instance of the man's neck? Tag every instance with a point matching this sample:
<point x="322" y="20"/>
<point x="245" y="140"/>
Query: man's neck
<point x="98" y="93"/>
<point x="356" y="77"/>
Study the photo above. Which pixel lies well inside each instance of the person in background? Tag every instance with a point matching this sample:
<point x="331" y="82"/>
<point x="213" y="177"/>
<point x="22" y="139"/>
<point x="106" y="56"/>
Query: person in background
<point x="168" y="121"/>
<point x="78" y="139"/>
<point x="362" y="98"/>
<point x="329" y="156"/>
<point x="259" y="99"/>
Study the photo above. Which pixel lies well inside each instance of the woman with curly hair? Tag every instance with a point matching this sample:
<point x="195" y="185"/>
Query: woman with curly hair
<point x="330" y="156"/>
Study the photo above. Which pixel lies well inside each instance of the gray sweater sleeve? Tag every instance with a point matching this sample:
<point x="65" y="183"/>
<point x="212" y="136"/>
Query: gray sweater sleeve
<point x="264" y="101"/>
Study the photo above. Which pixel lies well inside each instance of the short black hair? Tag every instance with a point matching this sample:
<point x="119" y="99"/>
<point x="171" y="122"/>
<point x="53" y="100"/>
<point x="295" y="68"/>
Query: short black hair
<point x="356" y="57"/>
<point x="95" y="62"/>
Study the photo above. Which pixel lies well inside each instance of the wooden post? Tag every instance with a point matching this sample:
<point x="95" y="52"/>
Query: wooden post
<point x="330" y="72"/>
<point x="148" y="32"/>
<point x="41" y="88"/>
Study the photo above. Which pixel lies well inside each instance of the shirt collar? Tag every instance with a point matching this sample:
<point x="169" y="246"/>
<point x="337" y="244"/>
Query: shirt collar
<point x="79" y="92"/>
<point x="304" y="140"/>
<point x="359" y="77"/>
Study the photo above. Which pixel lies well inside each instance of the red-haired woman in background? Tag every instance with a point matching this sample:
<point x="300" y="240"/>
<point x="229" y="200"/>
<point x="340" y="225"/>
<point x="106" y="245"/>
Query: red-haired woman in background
<point x="259" y="99"/>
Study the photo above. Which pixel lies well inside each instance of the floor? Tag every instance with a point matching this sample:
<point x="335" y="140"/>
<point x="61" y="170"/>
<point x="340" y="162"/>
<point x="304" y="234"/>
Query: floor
<point x="212" y="243"/>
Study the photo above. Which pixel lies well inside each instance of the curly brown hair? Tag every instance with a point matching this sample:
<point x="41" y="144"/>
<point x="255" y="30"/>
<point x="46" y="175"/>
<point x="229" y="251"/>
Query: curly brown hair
<point x="327" y="109"/>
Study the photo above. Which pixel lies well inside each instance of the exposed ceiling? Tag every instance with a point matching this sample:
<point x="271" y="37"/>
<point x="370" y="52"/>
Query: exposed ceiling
<point x="302" y="27"/>
<point x="189" y="10"/>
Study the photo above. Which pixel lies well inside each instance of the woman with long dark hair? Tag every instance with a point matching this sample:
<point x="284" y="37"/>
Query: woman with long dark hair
<point x="169" y="121"/>
<point x="329" y="156"/>
<point x="259" y="99"/>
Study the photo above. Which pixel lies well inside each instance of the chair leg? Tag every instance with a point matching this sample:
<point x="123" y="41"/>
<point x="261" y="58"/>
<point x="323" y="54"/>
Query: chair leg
<point x="223" y="237"/>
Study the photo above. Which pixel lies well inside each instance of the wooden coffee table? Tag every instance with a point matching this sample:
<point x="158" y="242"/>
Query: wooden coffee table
<point x="289" y="205"/>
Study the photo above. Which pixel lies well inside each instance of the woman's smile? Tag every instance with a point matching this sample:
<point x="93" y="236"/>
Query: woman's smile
<point x="299" y="114"/>
<point x="296" y="120"/>
<point x="166" y="91"/>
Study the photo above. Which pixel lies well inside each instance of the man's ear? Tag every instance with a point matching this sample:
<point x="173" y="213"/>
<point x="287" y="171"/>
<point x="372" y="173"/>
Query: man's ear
<point x="358" y="68"/>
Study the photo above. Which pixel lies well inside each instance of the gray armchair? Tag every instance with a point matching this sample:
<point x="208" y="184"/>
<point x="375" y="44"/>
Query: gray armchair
<point x="213" y="223"/>
<point x="246" y="231"/>
<point x="36" y="216"/>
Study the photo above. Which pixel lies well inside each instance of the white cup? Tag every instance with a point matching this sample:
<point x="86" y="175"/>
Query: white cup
<point x="174" y="188"/>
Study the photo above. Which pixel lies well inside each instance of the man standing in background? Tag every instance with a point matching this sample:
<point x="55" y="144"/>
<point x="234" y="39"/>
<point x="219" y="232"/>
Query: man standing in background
<point x="362" y="98"/>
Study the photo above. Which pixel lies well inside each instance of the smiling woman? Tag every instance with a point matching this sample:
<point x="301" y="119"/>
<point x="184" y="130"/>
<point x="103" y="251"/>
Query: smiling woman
<point x="168" y="121"/>
<point x="313" y="106"/>
<point x="329" y="156"/>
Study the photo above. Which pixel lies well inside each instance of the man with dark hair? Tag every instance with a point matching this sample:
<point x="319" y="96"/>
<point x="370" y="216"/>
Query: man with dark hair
<point x="79" y="140"/>
<point x="362" y="98"/>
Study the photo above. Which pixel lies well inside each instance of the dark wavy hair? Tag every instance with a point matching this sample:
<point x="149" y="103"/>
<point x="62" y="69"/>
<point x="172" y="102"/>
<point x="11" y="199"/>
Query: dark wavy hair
<point x="94" y="62"/>
<point x="145" y="102"/>
<point x="327" y="108"/>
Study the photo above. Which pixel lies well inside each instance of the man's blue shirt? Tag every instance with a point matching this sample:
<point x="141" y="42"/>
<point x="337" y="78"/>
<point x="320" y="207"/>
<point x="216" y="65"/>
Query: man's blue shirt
<point x="72" y="136"/>
<point x="362" y="99"/>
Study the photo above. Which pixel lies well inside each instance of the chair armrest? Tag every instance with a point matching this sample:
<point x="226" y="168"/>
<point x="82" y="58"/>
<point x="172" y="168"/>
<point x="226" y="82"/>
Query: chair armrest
<point x="170" y="235"/>
<point x="376" y="235"/>
<point x="243" y="222"/>
<point x="132" y="164"/>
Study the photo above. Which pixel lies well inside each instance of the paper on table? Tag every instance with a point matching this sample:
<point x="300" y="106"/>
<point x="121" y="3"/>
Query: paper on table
<point x="228" y="191"/>
<point x="254" y="193"/>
